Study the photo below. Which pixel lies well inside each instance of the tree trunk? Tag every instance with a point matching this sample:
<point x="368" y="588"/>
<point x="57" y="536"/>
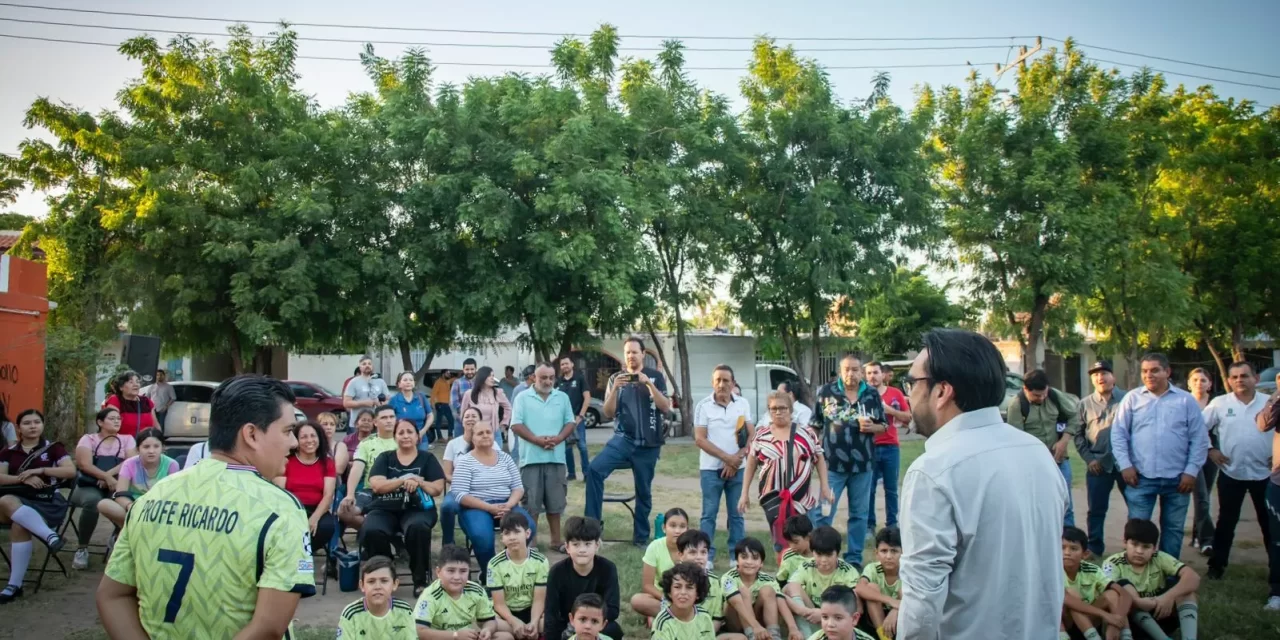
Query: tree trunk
<point x="566" y="346"/>
<point x="1133" y="366"/>
<point x="426" y="364"/>
<point x="793" y="356"/>
<point x="237" y="357"/>
<point x="1214" y="351"/>
<point x="815" y="343"/>
<point x="1033" y="354"/>
<point x="1237" y="343"/>
<point x="406" y="354"/>
<point x="682" y="347"/>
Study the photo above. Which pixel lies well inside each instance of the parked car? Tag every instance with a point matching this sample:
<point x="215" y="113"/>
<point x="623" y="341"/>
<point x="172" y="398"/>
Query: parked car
<point x="188" y="416"/>
<point x="314" y="399"/>
<point x="595" y="413"/>
<point x="1267" y="380"/>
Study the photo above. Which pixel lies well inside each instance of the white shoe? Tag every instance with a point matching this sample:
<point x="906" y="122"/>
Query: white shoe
<point x="710" y="567"/>
<point x="1273" y="604"/>
<point x="81" y="561"/>
<point x="111" y="544"/>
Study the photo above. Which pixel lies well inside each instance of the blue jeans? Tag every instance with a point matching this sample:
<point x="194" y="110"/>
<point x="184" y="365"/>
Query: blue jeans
<point x="444" y="419"/>
<point x="622" y="453"/>
<point x="1173" y="509"/>
<point x="478" y="526"/>
<point x="581" y="432"/>
<point x="448" y="517"/>
<point x="1069" y="518"/>
<point x="457" y="423"/>
<point x="884" y="465"/>
<point x="714" y="486"/>
<point x="859" y="487"/>
<point x="1099" y="493"/>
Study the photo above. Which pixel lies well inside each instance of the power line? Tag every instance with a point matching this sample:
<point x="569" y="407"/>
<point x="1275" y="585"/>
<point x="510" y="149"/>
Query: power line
<point x="1173" y="60"/>
<point x="1183" y="75"/>
<point x="488" y="31"/>
<point x="488" y="45"/>
<point x="529" y="66"/>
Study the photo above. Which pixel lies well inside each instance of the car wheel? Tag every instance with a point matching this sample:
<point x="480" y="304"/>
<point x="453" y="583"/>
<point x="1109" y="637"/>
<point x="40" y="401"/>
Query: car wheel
<point x="592" y="419"/>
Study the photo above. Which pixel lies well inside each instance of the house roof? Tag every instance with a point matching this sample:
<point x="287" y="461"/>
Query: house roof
<point x="9" y="238"/>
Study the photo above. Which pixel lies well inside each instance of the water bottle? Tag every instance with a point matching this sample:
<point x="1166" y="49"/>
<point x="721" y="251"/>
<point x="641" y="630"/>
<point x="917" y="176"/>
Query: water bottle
<point x="658" y="522"/>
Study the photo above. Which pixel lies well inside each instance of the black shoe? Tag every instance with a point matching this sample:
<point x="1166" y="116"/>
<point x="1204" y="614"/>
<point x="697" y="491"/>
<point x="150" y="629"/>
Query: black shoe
<point x="418" y="589"/>
<point x="9" y="594"/>
<point x="55" y="543"/>
<point x="1215" y="573"/>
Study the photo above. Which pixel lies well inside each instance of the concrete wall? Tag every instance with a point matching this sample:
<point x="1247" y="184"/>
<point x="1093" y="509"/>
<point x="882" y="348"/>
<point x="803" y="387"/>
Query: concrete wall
<point x="24" y="310"/>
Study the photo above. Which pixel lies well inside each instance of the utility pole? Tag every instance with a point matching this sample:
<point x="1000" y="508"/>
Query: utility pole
<point x="1023" y="55"/>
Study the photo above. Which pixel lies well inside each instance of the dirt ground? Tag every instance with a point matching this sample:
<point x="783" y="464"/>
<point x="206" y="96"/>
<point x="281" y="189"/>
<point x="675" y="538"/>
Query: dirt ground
<point x="66" y="606"/>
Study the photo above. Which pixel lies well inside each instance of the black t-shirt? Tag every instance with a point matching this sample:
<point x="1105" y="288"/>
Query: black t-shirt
<point x="573" y="387"/>
<point x="564" y="585"/>
<point x="389" y="466"/>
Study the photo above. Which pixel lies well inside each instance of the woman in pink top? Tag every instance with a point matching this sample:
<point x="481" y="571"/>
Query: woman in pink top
<point x="490" y="401"/>
<point x="99" y="457"/>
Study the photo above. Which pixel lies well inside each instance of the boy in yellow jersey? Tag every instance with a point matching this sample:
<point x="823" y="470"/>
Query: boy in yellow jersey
<point x="683" y="587"/>
<point x="1159" y="585"/>
<point x="378" y="614"/>
<point x="695" y="546"/>
<point x="804" y="590"/>
<point x="797" y="530"/>
<point x="517" y="580"/>
<point x="839" y="616"/>
<point x="351" y="509"/>
<point x="751" y="595"/>
<point x="453" y="607"/>
<point x="879" y="588"/>
<point x="1091" y="597"/>
<point x="586" y="618"/>
<point x="217" y="551"/>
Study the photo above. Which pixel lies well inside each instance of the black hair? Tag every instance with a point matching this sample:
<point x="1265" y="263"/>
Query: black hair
<point x="1075" y="536"/>
<point x="673" y="512"/>
<point x="693" y="538"/>
<point x="102" y="414"/>
<point x="582" y="529"/>
<point x="1037" y="380"/>
<point x="970" y="363"/>
<point x="724" y="367"/>
<point x="841" y="595"/>
<point x="4" y="417"/>
<point x="508" y="369"/>
<point x="478" y="383"/>
<point x="528" y="372"/>
<point x="636" y="339"/>
<point x="748" y="545"/>
<point x="122" y="378"/>
<point x="1143" y="531"/>
<point x="149" y="432"/>
<point x="17" y="422"/>
<point x="874" y="363"/>
<point x="377" y="563"/>
<point x="362" y="412"/>
<point x="244" y="399"/>
<point x="377" y="411"/>
<point x="469" y="361"/>
<point x="891" y="536"/>
<point x="588" y="600"/>
<point x="512" y="521"/>
<point x="356" y="371"/>
<point x="561" y="358"/>
<point x="406" y="373"/>
<point x="1157" y="357"/>
<point x="692" y="574"/>
<point x="825" y="540"/>
<point x="797" y="527"/>
<point x="450" y="554"/>
<point x="1240" y="363"/>
<point x="407" y="421"/>
<point x="322" y="453"/>
<point x="798" y="389"/>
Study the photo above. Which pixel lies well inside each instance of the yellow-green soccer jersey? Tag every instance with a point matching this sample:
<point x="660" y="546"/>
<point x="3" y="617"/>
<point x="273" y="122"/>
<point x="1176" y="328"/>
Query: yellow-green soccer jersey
<point x="1090" y="582"/>
<point x="1150" y="581"/>
<point x="874" y="573"/>
<point x="599" y="636"/>
<point x="438" y="610"/>
<point x="517" y="581"/>
<point x="200" y="544"/>
<point x="397" y="624"/>
<point x="791" y="561"/>
<point x="858" y="634"/>
<point x="657" y="556"/>
<point x="814" y="583"/>
<point x="714" y="602"/>
<point x="369" y="450"/>
<point x="732" y="581"/>
<point x="668" y="627"/>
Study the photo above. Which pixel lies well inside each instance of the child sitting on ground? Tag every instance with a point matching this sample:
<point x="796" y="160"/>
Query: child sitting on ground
<point x="517" y="579"/>
<point x="751" y="595"/>
<point x="453" y="603"/>
<point x="684" y="588"/>
<point x="796" y="529"/>
<point x="1145" y="574"/>
<point x="840" y="616"/>
<point x="587" y="618"/>
<point x="583" y="572"/>
<point x="658" y="557"/>
<point x="1090" y="598"/>
<point x="879" y="583"/>
<point x="805" y="588"/>
<point x="695" y="546"/>
<point x="378" y="614"/>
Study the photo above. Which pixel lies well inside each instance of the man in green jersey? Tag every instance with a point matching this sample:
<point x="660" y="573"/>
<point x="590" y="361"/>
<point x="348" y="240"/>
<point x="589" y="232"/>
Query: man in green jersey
<point x="1159" y="584"/>
<point x="351" y="508"/>
<point x="517" y="580"/>
<point x="217" y="551"/>
<point x="815" y="576"/>
<point x="879" y="584"/>
<point x="839" y="616"/>
<point x="684" y="586"/>
<point x="1091" y="597"/>
<point x="453" y="607"/>
<point x="378" y="614"/>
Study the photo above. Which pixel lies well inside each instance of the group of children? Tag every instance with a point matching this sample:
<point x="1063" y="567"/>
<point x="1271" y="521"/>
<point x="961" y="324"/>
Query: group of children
<point x="815" y="594"/>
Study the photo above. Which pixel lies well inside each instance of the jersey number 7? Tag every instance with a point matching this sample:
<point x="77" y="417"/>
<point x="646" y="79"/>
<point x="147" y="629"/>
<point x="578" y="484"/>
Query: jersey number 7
<point x="186" y="563"/>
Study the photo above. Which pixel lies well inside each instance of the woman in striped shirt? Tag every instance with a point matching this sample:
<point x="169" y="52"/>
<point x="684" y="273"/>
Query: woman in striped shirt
<point x="767" y="460"/>
<point x="486" y="482"/>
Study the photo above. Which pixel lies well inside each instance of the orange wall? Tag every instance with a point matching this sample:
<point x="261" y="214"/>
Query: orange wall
<point x="24" y="309"/>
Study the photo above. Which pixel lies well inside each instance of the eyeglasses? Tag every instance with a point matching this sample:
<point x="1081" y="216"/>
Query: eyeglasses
<point x="779" y="409"/>
<point x="910" y="381"/>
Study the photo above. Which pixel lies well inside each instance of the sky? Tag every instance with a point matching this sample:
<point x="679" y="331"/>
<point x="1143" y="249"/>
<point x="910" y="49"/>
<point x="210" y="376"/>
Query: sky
<point x="1234" y="34"/>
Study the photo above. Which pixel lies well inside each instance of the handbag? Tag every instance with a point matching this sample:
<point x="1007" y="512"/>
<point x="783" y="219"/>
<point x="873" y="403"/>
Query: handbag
<point x="102" y="463"/>
<point x="27" y="491"/>
<point x="778" y="505"/>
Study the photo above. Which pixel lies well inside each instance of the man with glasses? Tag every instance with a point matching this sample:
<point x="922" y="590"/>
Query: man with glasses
<point x="981" y="507"/>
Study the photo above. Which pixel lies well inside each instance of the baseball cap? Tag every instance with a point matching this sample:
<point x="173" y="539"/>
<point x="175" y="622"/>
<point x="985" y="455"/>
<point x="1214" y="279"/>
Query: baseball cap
<point x="1101" y="365"/>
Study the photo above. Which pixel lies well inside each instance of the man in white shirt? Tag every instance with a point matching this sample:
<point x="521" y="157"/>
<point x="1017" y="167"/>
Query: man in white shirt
<point x="1243" y="457"/>
<point x="161" y="394"/>
<point x="982" y="507"/>
<point x="717" y="422"/>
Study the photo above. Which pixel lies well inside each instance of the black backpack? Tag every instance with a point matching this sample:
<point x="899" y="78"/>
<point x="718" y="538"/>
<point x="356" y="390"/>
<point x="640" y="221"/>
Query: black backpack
<point x="1025" y="404"/>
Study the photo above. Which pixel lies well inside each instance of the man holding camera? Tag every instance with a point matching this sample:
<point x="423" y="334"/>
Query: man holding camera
<point x="637" y="397"/>
<point x="363" y="392"/>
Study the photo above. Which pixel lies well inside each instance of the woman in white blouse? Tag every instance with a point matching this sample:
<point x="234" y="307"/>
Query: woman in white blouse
<point x="486" y="483"/>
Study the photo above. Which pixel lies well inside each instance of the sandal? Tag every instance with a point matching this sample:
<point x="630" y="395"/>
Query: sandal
<point x="563" y="548"/>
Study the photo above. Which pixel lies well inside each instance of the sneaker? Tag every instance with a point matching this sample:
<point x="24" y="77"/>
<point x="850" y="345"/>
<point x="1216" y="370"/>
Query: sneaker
<point x="81" y="561"/>
<point x="1214" y="573"/>
<point x="54" y="542"/>
<point x="1273" y="604"/>
<point x="9" y="594"/>
<point x="1206" y="550"/>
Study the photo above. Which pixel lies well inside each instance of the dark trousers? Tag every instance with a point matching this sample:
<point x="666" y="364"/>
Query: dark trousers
<point x="1202" y="519"/>
<point x="1098" y="490"/>
<point x="444" y="421"/>
<point x="324" y="529"/>
<point x="622" y="453"/>
<point x="381" y="528"/>
<point x="1231" y="493"/>
<point x="1273" y="549"/>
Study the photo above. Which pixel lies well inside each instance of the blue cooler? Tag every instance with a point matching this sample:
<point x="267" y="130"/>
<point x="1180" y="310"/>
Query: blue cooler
<point x="348" y="570"/>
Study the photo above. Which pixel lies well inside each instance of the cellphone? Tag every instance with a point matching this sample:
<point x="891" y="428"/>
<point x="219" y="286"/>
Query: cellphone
<point x="628" y="378"/>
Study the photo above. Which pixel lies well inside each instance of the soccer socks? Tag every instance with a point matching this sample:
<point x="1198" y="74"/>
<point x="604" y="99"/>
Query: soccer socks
<point x="21" y="557"/>
<point x="1149" y="625"/>
<point x="1092" y="634"/>
<point x="1063" y="635"/>
<point x="1188" y="620"/>
<point x="1126" y="634"/>
<point x="31" y="521"/>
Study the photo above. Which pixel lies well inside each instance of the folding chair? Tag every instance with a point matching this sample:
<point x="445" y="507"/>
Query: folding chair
<point x="624" y="500"/>
<point x="38" y="579"/>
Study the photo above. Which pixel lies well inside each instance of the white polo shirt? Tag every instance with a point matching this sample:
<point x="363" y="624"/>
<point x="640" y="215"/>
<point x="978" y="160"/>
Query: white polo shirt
<point x="1248" y="449"/>
<point x="722" y="426"/>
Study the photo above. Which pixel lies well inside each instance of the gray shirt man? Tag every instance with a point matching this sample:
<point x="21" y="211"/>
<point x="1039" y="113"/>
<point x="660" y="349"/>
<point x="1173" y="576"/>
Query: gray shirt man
<point x="1093" y="441"/>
